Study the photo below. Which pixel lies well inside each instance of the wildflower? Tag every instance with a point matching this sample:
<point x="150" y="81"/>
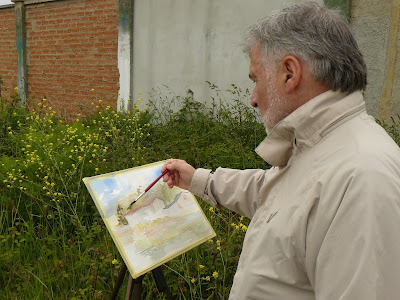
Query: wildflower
<point x="215" y="275"/>
<point x="92" y="90"/>
<point x="211" y="209"/>
<point x="114" y="262"/>
<point x="193" y="280"/>
<point x="16" y="88"/>
<point x="208" y="278"/>
<point x="201" y="267"/>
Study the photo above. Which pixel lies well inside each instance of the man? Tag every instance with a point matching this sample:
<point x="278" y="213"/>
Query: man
<point x="325" y="218"/>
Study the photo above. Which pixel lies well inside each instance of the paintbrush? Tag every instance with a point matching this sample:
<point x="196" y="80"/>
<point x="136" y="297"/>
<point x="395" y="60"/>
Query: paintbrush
<point x="148" y="188"/>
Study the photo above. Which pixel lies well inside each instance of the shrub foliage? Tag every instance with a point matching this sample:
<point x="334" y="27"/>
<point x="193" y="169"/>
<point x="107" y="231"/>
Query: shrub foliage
<point x="53" y="243"/>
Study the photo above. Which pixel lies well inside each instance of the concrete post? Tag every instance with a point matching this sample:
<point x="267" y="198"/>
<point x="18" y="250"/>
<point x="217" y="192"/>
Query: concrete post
<point x="125" y="55"/>
<point x="391" y="56"/>
<point x="22" y="82"/>
<point x="344" y="6"/>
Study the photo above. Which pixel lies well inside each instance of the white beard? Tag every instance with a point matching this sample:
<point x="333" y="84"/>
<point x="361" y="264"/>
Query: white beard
<point x="277" y="108"/>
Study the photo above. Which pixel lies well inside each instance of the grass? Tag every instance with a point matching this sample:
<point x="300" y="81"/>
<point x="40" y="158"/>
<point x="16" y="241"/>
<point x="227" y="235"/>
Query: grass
<point x="53" y="243"/>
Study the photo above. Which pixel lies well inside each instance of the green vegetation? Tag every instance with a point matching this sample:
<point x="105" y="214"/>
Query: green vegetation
<point x="54" y="244"/>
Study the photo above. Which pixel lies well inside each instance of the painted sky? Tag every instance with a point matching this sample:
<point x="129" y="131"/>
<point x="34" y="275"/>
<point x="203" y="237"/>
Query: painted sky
<point x="114" y="186"/>
<point x="5" y="2"/>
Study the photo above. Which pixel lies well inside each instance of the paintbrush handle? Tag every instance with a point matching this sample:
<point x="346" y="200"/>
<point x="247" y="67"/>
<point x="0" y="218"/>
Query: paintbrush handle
<point x="155" y="181"/>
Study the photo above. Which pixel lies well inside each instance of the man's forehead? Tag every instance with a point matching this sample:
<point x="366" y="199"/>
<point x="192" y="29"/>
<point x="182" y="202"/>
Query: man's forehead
<point x="255" y="50"/>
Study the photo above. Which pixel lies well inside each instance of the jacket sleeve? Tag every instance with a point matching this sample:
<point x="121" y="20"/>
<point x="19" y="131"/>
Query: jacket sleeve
<point x="237" y="190"/>
<point x="353" y="248"/>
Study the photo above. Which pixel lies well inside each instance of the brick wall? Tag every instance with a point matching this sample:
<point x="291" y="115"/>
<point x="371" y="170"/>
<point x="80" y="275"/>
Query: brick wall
<point x="72" y="49"/>
<point x="8" y="51"/>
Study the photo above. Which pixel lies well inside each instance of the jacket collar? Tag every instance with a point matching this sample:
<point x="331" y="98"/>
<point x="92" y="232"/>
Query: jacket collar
<point x="306" y="126"/>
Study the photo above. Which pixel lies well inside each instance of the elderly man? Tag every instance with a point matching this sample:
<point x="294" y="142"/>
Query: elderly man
<point x="325" y="218"/>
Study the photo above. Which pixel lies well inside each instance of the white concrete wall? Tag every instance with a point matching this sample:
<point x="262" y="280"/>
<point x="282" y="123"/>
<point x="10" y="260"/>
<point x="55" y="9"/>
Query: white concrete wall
<point x="370" y="21"/>
<point x="183" y="43"/>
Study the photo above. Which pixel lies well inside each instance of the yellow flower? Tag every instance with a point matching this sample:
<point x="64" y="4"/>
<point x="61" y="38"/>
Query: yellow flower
<point x="207" y="278"/>
<point x="211" y="209"/>
<point x="193" y="280"/>
<point x="201" y="267"/>
<point x="114" y="262"/>
<point x="215" y="275"/>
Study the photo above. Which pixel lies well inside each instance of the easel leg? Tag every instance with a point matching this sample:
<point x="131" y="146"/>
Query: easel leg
<point x="119" y="281"/>
<point x="135" y="287"/>
<point x="161" y="283"/>
<point x="129" y="288"/>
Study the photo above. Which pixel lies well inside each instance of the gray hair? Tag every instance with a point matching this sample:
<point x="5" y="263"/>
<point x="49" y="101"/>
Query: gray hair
<point x="320" y="37"/>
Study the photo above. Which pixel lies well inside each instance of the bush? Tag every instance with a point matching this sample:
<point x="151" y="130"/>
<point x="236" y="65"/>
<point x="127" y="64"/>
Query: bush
<point x="50" y="230"/>
<point x="53" y="243"/>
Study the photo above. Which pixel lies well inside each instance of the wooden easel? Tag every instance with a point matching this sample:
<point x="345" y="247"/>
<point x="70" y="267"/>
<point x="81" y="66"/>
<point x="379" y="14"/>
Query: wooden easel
<point x="135" y="288"/>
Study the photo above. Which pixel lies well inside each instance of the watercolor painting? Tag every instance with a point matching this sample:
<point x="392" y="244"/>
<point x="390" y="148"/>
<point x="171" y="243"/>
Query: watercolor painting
<point x="161" y="225"/>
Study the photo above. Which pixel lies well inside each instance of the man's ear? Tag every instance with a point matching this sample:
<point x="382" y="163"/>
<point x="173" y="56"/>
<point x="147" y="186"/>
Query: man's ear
<point x="292" y="71"/>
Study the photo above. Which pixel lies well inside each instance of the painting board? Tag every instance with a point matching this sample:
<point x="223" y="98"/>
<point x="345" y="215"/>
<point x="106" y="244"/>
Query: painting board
<point x="161" y="225"/>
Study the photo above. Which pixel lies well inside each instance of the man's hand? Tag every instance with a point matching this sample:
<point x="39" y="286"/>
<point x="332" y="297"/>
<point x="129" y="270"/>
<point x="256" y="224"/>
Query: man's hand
<point x="179" y="174"/>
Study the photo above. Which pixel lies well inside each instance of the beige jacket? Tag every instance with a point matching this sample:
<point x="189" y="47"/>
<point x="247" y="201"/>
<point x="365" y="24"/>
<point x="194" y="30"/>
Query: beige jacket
<point x="325" y="220"/>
